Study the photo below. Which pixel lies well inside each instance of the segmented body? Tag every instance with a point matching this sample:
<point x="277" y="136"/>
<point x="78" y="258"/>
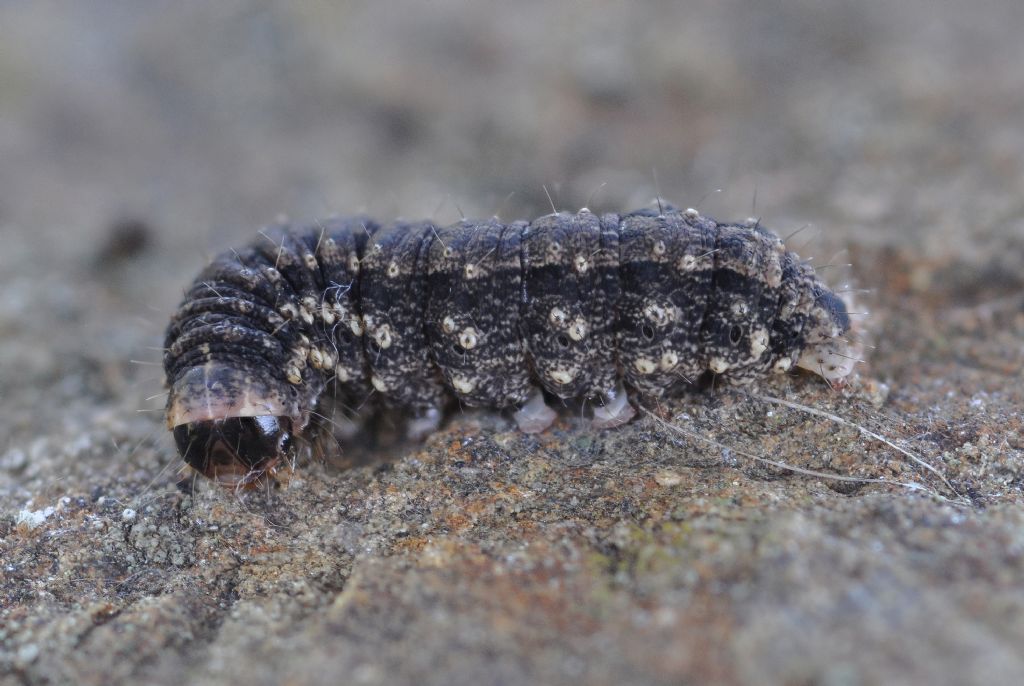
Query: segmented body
<point x="489" y="312"/>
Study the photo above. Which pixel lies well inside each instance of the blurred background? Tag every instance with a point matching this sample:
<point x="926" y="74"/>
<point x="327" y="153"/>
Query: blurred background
<point x="206" y="120"/>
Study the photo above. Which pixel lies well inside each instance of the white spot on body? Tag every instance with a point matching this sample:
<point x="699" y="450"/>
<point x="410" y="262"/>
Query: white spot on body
<point x="353" y="263"/>
<point x="342" y="373"/>
<point x="669" y="359"/>
<point x="758" y="342"/>
<point x="393" y="270"/>
<point x="448" y="325"/>
<point x="783" y="365"/>
<point x="382" y="336"/>
<point x="687" y="263"/>
<point x="740" y="308"/>
<point x="659" y="248"/>
<point x="581" y="264"/>
<point x="468" y="338"/>
<point x="562" y="376"/>
<point x="463" y="385"/>
<point x="311" y="263"/>
<point x="293" y="375"/>
<point x="718" y="365"/>
<point x="299" y="355"/>
<point x="691" y="213"/>
<point x="288" y="310"/>
<point x="557" y="317"/>
<point x="578" y="329"/>
<point x="356" y="325"/>
<point x="656" y="313"/>
<point x="645" y="365"/>
<point x="471" y="271"/>
<point x="379" y="384"/>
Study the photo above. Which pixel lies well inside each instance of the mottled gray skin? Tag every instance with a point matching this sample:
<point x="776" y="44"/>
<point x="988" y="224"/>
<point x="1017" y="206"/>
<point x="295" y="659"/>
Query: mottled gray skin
<point x="573" y="354"/>
<point x="490" y="312"/>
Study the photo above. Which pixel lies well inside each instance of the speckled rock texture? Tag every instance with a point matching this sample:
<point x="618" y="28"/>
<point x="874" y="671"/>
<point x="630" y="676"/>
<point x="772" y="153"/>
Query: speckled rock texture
<point x="137" y="140"/>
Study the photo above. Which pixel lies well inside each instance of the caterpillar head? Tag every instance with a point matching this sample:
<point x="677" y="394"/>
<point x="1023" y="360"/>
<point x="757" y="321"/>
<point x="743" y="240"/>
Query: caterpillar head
<point x="232" y="426"/>
<point x="236" y="451"/>
<point x="832" y="343"/>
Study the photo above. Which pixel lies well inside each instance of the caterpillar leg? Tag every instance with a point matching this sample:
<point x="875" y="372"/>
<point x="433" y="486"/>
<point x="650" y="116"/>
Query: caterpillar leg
<point x="615" y="412"/>
<point x="424" y="424"/>
<point x="535" y="416"/>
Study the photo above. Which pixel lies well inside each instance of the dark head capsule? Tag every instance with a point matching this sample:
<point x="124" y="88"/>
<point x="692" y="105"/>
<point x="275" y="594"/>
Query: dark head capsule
<point x="235" y="451"/>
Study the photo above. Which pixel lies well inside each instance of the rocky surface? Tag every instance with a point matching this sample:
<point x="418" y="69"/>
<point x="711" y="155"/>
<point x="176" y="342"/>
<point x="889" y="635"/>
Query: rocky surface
<point x="136" y="140"/>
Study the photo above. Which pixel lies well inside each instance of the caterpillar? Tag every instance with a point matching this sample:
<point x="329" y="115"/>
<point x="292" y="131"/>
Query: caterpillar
<point x="491" y="314"/>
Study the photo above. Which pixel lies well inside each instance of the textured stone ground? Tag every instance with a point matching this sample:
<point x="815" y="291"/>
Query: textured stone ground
<point x="134" y="141"/>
